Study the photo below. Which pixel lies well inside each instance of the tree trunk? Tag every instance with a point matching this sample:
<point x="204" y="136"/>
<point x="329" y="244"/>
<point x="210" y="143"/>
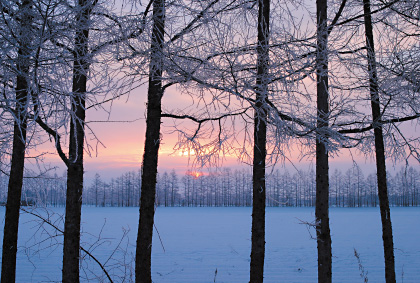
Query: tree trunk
<point x="11" y="224"/>
<point x="151" y="149"/>
<point x="322" y="178"/>
<point x="75" y="167"/>
<point x="379" y="149"/>
<point x="260" y="136"/>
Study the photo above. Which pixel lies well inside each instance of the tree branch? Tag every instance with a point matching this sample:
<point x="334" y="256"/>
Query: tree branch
<point x="382" y="122"/>
<point x="61" y="231"/>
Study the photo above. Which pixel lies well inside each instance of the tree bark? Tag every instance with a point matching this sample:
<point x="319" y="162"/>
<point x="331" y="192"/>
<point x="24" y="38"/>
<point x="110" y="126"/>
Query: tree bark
<point x="260" y="137"/>
<point x="322" y="175"/>
<point x="379" y="149"/>
<point x="151" y="148"/>
<point x="11" y="224"/>
<point x="71" y="248"/>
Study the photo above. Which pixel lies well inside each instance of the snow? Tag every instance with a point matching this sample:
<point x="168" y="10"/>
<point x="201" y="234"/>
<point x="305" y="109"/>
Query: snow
<point x="197" y="241"/>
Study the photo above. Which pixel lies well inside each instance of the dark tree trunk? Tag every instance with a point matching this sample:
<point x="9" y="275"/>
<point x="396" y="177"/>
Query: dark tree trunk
<point x="379" y="149"/>
<point x="151" y="148"/>
<point x="260" y="136"/>
<point x="77" y="135"/>
<point x="11" y="224"/>
<point x="322" y="179"/>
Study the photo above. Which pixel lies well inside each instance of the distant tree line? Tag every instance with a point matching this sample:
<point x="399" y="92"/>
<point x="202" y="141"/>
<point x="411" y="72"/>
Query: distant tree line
<point x="227" y="187"/>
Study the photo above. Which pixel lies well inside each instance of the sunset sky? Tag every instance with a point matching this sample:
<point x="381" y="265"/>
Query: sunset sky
<point x="124" y="143"/>
<point x="123" y="140"/>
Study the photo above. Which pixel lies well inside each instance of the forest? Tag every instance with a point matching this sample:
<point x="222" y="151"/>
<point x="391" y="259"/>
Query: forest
<point x="266" y="81"/>
<point x="226" y="188"/>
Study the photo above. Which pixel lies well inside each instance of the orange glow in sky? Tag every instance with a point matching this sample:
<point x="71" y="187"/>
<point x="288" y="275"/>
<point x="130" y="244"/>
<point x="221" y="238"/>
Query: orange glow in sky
<point x="122" y="144"/>
<point x="195" y="174"/>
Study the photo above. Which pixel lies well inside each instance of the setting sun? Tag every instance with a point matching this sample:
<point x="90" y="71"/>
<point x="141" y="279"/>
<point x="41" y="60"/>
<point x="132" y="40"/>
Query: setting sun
<point x="195" y="174"/>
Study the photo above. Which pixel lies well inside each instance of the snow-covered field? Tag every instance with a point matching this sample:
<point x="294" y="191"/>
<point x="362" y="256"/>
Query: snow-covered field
<point x="198" y="241"/>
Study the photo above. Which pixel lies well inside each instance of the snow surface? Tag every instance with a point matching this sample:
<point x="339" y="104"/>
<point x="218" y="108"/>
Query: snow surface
<point x="197" y="241"/>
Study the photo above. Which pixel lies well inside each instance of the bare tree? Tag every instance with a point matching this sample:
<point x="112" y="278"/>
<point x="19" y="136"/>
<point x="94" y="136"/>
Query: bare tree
<point x="379" y="148"/>
<point x="260" y="141"/>
<point x="151" y="147"/>
<point x="23" y="21"/>
<point x="157" y="66"/>
<point x="322" y="175"/>
<point x="70" y="96"/>
<point x="76" y="146"/>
